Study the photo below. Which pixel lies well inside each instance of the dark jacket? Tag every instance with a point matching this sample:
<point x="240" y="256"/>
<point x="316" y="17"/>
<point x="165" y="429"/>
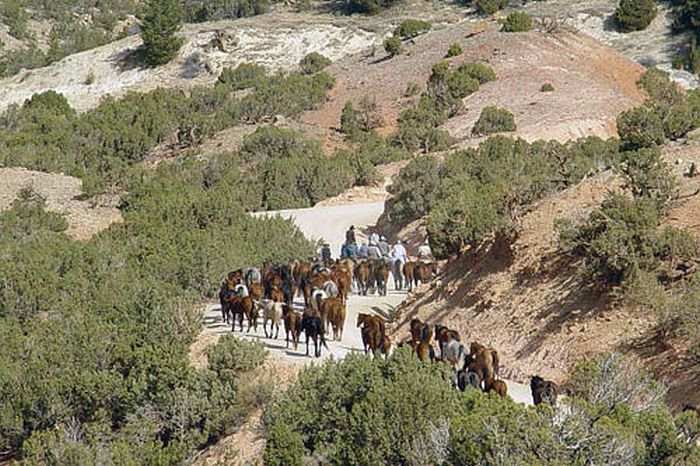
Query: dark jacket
<point x="350" y="237"/>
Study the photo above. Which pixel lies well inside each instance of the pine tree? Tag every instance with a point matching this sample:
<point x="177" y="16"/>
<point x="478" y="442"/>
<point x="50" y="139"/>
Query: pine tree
<point x="635" y="15"/>
<point x="160" y="20"/>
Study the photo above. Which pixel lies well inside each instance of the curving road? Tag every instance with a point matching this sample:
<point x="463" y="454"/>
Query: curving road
<point x="330" y="223"/>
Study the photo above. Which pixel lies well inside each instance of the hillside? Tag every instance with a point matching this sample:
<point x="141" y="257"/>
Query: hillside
<point x="539" y="307"/>
<point x="130" y="197"/>
<point x="569" y="60"/>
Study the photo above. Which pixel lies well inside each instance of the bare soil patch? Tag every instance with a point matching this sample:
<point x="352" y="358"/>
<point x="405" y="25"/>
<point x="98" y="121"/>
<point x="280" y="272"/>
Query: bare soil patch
<point x="63" y="196"/>
<point x="592" y="82"/>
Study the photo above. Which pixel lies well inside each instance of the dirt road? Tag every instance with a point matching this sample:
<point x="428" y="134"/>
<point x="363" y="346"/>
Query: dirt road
<point x="330" y="223"/>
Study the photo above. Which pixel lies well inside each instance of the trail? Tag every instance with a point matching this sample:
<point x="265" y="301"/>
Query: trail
<point x="330" y="223"/>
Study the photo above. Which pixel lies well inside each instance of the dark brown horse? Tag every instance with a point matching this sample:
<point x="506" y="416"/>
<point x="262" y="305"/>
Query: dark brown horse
<point x="292" y="325"/>
<point x="381" y="274"/>
<point x="484" y="361"/>
<point x="312" y="326"/>
<point x="543" y="391"/>
<point x="443" y="336"/>
<point x="373" y="331"/>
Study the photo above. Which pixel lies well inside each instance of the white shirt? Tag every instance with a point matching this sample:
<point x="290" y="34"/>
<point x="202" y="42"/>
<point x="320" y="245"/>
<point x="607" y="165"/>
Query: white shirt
<point x="424" y="251"/>
<point x="399" y="252"/>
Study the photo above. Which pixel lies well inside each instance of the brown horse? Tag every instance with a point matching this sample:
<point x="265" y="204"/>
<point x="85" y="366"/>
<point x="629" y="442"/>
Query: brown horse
<point x="292" y="325"/>
<point x="409" y="271"/>
<point x="381" y="274"/>
<point x="424" y="272"/>
<point x="419" y="331"/>
<point x="302" y="274"/>
<point x="362" y="274"/>
<point x="484" y="361"/>
<point x="498" y="386"/>
<point x="343" y="281"/>
<point x="373" y="331"/>
<point x="276" y="295"/>
<point x="423" y="349"/>
<point x="243" y="306"/>
<point x="256" y="291"/>
<point x="333" y="309"/>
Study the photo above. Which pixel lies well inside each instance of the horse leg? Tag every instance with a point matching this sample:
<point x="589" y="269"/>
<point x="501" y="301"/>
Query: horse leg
<point x="307" y="343"/>
<point x="287" y="339"/>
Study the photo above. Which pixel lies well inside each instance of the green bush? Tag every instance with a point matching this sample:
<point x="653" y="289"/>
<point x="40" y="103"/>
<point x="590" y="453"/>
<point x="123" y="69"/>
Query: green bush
<point x="393" y="46"/>
<point x="414" y="190"/>
<point x="489" y="7"/>
<point x="15" y="17"/>
<point x="419" y="128"/>
<point x="621" y="239"/>
<point x="368" y="6"/>
<point x="96" y="333"/>
<point x="454" y="50"/>
<point x="480" y="72"/>
<point x="160" y="20"/>
<point x="349" y="121"/>
<point x="678" y="111"/>
<point x="547" y="87"/>
<point x="244" y="76"/>
<point x="410" y="28"/>
<point x="517" y="22"/>
<point x="231" y="356"/>
<point x="313" y="63"/>
<point x="355" y="412"/>
<point x="475" y="193"/>
<point x="363" y="120"/>
<point x="635" y="15"/>
<point x="494" y="120"/>
<point x="639" y="128"/>
<point x="103" y="146"/>
<point x="646" y="175"/>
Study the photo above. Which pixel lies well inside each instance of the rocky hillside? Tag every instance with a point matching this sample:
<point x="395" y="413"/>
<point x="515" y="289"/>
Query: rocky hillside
<point x="538" y="305"/>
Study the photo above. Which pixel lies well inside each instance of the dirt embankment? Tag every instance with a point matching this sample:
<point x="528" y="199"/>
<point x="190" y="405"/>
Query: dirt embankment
<point x="537" y="306"/>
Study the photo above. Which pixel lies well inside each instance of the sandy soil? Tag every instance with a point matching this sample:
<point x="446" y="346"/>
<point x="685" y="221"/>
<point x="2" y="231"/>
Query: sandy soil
<point x="654" y="46"/>
<point x="62" y="194"/>
<point x="276" y="40"/>
<point x="592" y="83"/>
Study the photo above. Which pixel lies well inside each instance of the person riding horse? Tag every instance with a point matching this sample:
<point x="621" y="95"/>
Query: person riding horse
<point x="326" y="254"/>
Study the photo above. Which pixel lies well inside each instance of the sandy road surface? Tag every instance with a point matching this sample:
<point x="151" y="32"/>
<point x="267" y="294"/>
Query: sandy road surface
<point x="330" y="223"/>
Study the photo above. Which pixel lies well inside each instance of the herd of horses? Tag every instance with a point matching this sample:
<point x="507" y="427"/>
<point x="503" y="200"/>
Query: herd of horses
<point x="270" y="291"/>
<point x="476" y="366"/>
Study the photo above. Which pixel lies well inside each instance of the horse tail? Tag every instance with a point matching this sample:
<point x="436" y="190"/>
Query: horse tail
<point x="319" y="300"/>
<point x="494" y="355"/>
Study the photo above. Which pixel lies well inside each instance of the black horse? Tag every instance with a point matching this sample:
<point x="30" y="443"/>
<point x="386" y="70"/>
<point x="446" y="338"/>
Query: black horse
<point x="312" y="326"/>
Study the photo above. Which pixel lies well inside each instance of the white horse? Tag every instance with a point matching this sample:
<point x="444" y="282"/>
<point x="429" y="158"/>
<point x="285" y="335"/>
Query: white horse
<point x="273" y="312"/>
